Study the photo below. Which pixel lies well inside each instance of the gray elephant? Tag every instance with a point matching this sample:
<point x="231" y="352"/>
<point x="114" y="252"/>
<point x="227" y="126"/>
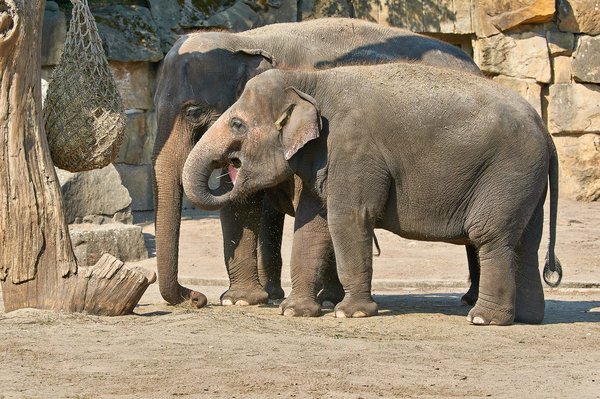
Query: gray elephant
<point x="423" y="152"/>
<point x="203" y="74"/>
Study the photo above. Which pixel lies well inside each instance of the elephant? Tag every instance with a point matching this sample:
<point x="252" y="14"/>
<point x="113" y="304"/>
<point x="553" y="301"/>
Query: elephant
<point x="202" y="75"/>
<point x="423" y="152"/>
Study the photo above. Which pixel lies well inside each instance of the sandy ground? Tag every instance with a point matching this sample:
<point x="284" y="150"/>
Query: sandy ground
<point x="419" y="346"/>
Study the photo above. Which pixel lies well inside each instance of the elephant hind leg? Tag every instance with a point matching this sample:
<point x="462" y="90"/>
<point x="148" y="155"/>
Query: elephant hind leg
<point x="506" y="232"/>
<point x="530" y="293"/>
<point x="497" y="289"/>
<point x="269" y="256"/>
<point x="510" y="288"/>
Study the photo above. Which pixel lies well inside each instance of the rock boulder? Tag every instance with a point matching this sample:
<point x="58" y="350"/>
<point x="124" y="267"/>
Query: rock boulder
<point x="494" y="16"/>
<point x="586" y="59"/>
<point x="574" y="108"/>
<point x="248" y="14"/>
<point x="579" y="16"/>
<point x="520" y="55"/>
<point x="128" y="33"/>
<point x="529" y="89"/>
<point x="95" y="196"/>
<point x="91" y="241"/>
<point x="560" y="43"/>
<point x="54" y="33"/>
<point x="135" y="81"/>
<point x="580" y="166"/>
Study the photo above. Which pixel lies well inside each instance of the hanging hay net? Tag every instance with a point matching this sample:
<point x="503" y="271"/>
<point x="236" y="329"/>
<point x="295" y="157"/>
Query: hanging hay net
<point x="83" y="111"/>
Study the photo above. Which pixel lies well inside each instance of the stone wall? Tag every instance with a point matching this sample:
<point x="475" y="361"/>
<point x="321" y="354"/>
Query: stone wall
<point x="549" y="51"/>
<point x="98" y="210"/>
<point x="546" y="50"/>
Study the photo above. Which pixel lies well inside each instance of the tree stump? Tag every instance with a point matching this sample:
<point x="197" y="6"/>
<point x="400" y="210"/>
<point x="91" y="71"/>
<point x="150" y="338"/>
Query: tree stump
<point x="37" y="265"/>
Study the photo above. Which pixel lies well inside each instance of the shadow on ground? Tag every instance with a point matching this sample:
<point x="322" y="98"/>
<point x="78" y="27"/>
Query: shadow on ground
<point x="557" y="311"/>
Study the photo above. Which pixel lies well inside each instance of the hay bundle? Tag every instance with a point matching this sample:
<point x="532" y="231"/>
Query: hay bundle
<point x="83" y="112"/>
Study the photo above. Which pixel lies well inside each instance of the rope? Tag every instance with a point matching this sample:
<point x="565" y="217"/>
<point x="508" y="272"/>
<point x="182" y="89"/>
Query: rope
<point x="83" y="111"/>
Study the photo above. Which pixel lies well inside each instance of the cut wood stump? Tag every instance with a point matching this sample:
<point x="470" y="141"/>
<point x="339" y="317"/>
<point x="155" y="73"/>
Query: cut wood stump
<point x="108" y="288"/>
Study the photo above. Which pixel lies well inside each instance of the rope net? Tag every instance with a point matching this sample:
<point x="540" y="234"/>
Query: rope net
<point x="83" y="112"/>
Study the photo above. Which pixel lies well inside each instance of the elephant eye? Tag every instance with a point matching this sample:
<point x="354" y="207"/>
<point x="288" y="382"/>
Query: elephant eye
<point x="194" y="113"/>
<point x="238" y="127"/>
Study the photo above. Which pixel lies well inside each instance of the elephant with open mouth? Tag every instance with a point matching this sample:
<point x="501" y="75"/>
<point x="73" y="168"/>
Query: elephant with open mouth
<point x="203" y="75"/>
<point x="424" y="152"/>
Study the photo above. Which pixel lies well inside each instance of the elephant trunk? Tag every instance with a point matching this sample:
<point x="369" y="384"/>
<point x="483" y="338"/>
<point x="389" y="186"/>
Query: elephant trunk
<point x="197" y="171"/>
<point x="171" y="147"/>
<point x="168" y="196"/>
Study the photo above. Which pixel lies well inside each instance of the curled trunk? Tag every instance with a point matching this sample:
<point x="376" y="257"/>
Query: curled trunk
<point x="197" y="172"/>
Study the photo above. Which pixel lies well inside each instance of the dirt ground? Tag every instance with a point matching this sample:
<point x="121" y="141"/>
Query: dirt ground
<point x="419" y="346"/>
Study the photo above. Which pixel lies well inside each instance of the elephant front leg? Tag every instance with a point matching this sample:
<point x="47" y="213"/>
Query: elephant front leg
<point x="240" y="225"/>
<point x="311" y="251"/>
<point x="269" y="260"/>
<point x="470" y="298"/>
<point x="352" y="234"/>
<point x="332" y="292"/>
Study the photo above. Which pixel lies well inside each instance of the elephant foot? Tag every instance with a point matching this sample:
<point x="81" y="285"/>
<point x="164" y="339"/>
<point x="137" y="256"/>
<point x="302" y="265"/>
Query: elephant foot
<point x="297" y="307"/>
<point x="488" y="313"/>
<point x="351" y="307"/>
<point x="529" y="307"/>
<point x="330" y="296"/>
<point x="529" y="315"/>
<point x="244" y="297"/>
<point x="182" y="295"/>
<point x="274" y="291"/>
<point x="470" y="298"/>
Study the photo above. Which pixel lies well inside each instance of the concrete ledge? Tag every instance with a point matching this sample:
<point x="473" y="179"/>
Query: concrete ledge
<point x="394" y="284"/>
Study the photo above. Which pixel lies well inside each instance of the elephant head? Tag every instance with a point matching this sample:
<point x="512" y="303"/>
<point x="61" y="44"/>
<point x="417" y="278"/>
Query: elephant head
<point x="253" y="142"/>
<point x="201" y="77"/>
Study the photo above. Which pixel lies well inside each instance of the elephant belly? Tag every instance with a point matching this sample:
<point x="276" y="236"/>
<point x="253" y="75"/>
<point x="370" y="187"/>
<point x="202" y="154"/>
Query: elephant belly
<point x="424" y="220"/>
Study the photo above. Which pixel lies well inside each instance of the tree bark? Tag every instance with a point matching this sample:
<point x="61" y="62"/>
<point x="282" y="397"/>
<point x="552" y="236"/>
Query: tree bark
<point x="37" y="265"/>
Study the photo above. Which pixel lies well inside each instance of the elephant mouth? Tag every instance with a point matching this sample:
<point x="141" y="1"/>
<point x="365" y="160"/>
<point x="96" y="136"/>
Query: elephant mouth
<point x="224" y="177"/>
<point x="211" y="184"/>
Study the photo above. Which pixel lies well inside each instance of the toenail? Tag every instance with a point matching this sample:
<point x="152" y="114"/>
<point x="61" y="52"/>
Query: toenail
<point x="289" y="312"/>
<point x="340" y="314"/>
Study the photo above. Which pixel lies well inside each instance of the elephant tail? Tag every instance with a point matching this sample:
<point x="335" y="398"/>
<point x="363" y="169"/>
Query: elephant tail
<point x="376" y="241"/>
<point x="552" y="269"/>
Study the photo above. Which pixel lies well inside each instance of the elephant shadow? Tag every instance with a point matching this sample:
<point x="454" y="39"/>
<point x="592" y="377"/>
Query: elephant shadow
<point x="416" y="48"/>
<point x="558" y="311"/>
<point x="564" y="312"/>
<point x="403" y="304"/>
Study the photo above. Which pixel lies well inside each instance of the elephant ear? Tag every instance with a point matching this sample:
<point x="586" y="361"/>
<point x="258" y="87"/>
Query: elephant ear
<point x="299" y="123"/>
<point x="254" y="62"/>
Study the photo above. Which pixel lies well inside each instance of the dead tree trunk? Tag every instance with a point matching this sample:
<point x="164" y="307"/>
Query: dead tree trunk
<point x="37" y="265"/>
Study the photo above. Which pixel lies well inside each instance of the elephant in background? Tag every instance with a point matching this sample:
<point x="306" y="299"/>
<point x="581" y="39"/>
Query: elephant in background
<point x="431" y="154"/>
<point x="202" y="75"/>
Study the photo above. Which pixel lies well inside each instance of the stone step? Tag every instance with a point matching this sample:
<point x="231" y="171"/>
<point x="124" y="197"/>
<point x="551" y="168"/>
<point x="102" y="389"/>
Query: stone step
<point x="91" y="241"/>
